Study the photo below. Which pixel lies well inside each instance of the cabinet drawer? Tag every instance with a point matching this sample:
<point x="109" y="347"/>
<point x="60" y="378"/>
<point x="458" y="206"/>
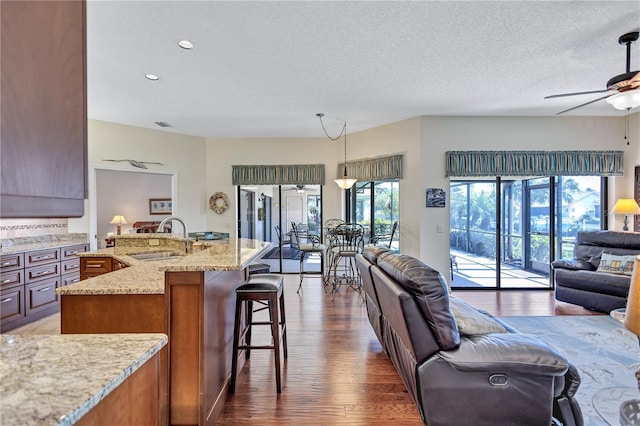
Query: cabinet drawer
<point x="8" y="279"/>
<point x="11" y="261"/>
<point x="40" y="295"/>
<point x="70" y="266"/>
<point x="41" y="257"/>
<point x="95" y="265"/>
<point x="41" y="272"/>
<point x="11" y="304"/>
<point x="70" y="252"/>
<point x="69" y="279"/>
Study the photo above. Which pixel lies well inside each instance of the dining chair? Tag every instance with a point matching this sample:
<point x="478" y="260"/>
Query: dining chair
<point x="311" y="245"/>
<point x="385" y="236"/>
<point x="346" y="242"/>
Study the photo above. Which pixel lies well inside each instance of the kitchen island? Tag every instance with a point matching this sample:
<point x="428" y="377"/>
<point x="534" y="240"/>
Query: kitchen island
<point x="190" y="298"/>
<point x="79" y="379"/>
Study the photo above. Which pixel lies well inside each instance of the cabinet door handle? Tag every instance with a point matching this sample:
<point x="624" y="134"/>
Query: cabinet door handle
<point x="74" y="266"/>
<point x="89" y="265"/>
<point x="43" y="257"/>
<point x="44" y="289"/>
<point x="8" y="281"/>
<point x="72" y="253"/>
<point x="8" y="299"/>
<point x="41" y="273"/>
<point x="75" y="280"/>
<point x="7" y="263"/>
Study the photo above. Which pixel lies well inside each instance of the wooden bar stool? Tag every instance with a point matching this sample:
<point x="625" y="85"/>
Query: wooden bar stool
<point x="267" y="290"/>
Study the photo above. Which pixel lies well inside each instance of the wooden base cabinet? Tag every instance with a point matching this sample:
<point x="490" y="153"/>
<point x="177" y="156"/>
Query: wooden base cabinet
<point x="196" y="311"/>
<point x="28" y="283"/>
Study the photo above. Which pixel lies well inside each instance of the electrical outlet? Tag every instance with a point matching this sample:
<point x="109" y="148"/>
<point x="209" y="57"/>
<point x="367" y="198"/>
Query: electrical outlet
<point x="439" y="229"/>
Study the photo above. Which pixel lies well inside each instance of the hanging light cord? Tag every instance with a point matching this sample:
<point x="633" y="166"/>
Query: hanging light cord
<point x="342" y="132"/>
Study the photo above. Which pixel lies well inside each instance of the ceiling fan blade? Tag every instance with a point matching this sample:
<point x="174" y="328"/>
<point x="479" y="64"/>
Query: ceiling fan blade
<point x="581" y="105"/>
<point x="632" y="83"/>
<point x="576" y="93"/>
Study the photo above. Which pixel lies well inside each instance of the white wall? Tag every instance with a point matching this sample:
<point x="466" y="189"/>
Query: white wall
<point x="398" y="138"/>
<point x="441" y="134"/>
<point x="204" y="166"/>
<point x="181" y="155"/>
<point x="223" y="153"/>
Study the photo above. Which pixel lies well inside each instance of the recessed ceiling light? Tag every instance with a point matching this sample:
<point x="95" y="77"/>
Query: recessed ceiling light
<point x="186" y="44"/>
<point x="152" y="77"/>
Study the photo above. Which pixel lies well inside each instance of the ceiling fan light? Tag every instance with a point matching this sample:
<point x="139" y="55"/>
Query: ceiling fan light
<point x="625" y="100"/>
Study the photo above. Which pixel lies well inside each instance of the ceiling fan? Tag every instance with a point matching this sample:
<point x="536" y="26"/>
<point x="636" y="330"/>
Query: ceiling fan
<point x="623" y="91"/>
<point x="136" y="163"/>
<point x="299" y="188"/>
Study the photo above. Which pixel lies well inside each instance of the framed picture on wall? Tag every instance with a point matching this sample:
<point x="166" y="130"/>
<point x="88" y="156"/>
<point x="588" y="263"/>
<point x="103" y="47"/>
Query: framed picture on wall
<point x="159" y="205"/>
<point x="436" y="197"/>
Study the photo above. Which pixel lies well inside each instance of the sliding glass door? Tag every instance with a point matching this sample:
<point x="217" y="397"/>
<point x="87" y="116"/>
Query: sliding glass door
<point x="535" y="222"/>
<point x="266" y="212"/>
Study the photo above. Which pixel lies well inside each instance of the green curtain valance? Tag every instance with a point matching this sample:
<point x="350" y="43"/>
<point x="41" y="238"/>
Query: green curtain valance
<point x="374" y="169"/>
<point x="534" y="163"/>
<point x="303" y="174"/>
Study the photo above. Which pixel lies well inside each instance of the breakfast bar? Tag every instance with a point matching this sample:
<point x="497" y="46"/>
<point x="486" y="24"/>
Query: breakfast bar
<point x="188" y="296"/>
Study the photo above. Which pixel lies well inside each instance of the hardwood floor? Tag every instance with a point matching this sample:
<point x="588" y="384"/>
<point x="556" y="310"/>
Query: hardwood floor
<point x="336" y="372"/>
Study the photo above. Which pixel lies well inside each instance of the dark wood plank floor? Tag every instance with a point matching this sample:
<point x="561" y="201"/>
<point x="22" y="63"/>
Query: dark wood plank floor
<point x="337" y="373"/>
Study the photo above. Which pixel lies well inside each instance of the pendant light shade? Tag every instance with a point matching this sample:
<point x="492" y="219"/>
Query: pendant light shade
<point x="344" y="182"/>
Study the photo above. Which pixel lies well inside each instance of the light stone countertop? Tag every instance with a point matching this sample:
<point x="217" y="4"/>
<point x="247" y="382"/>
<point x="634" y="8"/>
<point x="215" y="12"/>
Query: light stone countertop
<point x="57" y="379"/>
<point x="142" y="277"/>
<point x="41" y="243"/>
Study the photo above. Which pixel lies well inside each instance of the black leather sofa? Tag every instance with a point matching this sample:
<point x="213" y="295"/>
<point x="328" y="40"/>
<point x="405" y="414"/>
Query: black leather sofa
<point x="579" y="282"/>
<point x="460" y="365"/>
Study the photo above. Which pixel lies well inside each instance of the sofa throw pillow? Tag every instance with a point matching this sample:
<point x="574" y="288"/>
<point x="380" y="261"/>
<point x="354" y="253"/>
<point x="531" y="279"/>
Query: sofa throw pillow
<point x="616" y="264"/>
<point x="470" y="321"/>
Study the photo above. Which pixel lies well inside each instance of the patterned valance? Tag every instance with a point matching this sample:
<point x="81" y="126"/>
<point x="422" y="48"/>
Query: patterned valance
<point x="303" y="174"/>
<point x="374" y="169"/>
<point x="534" y="163"/>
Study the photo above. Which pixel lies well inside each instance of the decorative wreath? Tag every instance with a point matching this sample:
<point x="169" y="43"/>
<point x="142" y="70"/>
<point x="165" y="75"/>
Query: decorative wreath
<point x="219" y="202"/>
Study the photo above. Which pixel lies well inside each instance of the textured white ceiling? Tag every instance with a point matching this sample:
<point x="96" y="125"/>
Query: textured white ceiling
<point x="265" y="68"/>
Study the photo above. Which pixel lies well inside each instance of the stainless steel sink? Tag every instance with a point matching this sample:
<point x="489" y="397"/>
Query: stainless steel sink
<point x="160" y="255"/>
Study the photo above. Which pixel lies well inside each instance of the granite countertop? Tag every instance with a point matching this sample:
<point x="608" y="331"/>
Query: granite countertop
<point x="18" y="245"/>
<point x="147" y="277"/>
<point x="57" y="379"/>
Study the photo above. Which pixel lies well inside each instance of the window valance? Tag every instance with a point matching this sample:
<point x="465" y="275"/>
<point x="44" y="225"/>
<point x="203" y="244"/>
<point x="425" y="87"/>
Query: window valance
<point x="303" y="174"/>
<point x="534" y="163"/>
<point x="374" y="169"/>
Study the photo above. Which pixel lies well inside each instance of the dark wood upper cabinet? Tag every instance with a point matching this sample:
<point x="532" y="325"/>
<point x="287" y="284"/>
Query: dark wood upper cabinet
<point x="43" y="109"/>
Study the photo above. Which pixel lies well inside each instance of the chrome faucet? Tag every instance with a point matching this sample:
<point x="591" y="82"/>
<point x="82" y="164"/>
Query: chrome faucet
<point x="165" y="221"/>
<point x="188" y="244"/>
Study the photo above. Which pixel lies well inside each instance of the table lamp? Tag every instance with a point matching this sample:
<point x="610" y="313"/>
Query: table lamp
<point x="630" y="410"/>
<point x="118" y="220"/>
<point x="626" y="206"/>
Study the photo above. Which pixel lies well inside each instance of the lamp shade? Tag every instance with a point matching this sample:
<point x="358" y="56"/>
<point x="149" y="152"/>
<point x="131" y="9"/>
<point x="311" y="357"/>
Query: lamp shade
<point x="626" y="206"/>
<point x="632" y="314"/>
<point x="625" y="100"/>
<point x="118" y="220"/>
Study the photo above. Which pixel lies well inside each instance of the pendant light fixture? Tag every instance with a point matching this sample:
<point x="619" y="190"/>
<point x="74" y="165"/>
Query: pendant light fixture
<point x="344" y="182"/>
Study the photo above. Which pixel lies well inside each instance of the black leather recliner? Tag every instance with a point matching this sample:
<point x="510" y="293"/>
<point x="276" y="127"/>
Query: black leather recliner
<point x="483" y="372"/>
